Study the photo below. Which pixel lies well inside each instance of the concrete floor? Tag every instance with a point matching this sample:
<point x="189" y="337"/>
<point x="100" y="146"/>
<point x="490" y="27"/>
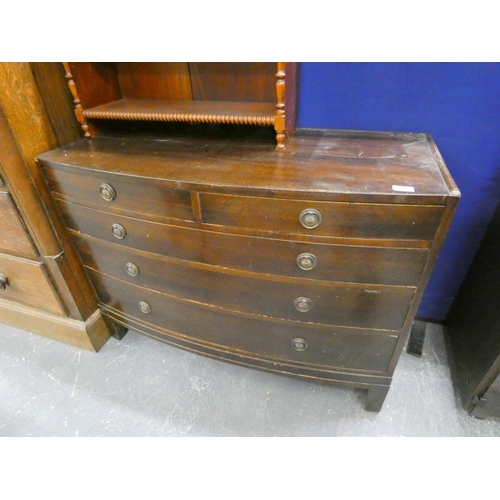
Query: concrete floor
<point x="141" y="387"/>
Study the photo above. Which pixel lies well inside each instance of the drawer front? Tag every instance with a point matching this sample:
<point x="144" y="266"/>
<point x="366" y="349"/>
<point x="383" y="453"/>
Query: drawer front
<point x="306" y="300"/>
<point x="376" y="265"/>
<point x="28" y="284"/>
<point x="347" y="220"/>
<point x="13" y="236"/>
<point x="279" y="340"/>
<point x="152" y="200"/>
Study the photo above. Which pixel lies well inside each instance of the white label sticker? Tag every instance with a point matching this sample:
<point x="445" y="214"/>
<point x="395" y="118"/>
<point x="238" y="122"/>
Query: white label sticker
<point x="403" y="189"/>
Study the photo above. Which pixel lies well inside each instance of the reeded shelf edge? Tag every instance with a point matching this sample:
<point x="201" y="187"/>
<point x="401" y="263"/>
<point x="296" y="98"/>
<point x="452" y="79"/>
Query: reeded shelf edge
<point x="242" y="113"/>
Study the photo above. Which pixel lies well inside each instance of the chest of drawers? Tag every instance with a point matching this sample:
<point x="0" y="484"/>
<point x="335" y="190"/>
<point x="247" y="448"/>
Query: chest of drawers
<point x="309" y="262"/>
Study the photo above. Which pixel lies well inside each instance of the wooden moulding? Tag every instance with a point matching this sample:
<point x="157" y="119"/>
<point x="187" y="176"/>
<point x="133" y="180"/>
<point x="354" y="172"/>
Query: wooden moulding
<point x="103" y="91"/>
<point x="90" y="335"/>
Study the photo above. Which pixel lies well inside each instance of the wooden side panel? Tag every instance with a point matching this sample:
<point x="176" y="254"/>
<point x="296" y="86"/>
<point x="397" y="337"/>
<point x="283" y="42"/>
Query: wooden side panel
<point x="291" y="96"/>
<point x="146" y="80"/>
<point x="57" y="99"/>
<point x="233" y="81"/>
<point x="25" y="132"/>
<point x="96" y="82"/>
<point x="474" y="319"/>
<point x="13" y="236"/>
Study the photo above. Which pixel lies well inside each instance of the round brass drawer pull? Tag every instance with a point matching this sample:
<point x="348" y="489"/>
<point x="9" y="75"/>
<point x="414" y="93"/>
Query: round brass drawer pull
<point x="144" y="307"/>
<point x="310" y="218"/>
<point x="303" y="304"/>
<point x="118" y="231"/>
<point x="107" y="192"/>
<point x="131" y="269"/>
<point x="299" y="344"/>
<point x="4" y="282"/>
<point x="307" y="261"/>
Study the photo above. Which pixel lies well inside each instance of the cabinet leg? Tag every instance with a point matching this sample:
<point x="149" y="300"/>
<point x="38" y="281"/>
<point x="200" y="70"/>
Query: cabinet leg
<point x="417" y="337"/>
<point x="376" y="397"/>
<point x="117" y="331"/>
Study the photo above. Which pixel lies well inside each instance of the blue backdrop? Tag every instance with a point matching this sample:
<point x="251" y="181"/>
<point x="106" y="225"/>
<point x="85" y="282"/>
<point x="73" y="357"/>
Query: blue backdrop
<point x="458" y="103"/>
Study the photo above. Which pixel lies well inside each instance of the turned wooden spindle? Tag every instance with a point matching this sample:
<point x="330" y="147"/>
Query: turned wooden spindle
<point x="78" y="105"/>
<point x="279" y="120"/>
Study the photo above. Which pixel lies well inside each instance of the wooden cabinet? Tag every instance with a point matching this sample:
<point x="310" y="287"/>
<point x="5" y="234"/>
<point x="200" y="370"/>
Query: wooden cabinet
<point x="309" y="261"/>
<point x="473" y="327"/>
<point x="43" y="287"/>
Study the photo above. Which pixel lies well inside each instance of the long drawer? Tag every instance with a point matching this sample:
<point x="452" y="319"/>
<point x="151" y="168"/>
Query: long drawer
<point x="349" y="264"/>
<point x="299" y="300"/>
<point x="124" y="193"/>
<point x="349" y="220"/>
<point x="272" y="339"/>
<point x="28" y="284"/>
<point x="13" y="236"/>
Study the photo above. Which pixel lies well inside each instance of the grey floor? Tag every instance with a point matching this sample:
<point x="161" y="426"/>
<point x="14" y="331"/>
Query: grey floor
<point x="141" y="387"/>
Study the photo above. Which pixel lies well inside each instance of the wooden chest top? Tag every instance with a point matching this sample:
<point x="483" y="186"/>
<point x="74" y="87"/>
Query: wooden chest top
<point x="402" y="167"/>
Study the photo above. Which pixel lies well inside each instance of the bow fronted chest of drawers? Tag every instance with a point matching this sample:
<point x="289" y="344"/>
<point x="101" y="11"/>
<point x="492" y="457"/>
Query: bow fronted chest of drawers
<point x="309" y="261"/>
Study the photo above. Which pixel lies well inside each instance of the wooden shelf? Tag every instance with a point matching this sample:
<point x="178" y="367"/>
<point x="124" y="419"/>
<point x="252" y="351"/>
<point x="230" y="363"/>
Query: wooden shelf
<point x="233" y="93"/>
<point x="246" y="113"/>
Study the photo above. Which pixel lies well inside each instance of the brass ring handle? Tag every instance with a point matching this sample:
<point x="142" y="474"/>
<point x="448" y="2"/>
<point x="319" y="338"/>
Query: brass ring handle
<point x="310" y="218"/>
<point x="144" y="307"/>
<point x="118" y="231"/>
<point x="307" y="261"/>
<point x="299" y="344"/>
<point x="303" y="304"/>
<point x="107" y="192"/>
<point x="131" y="269"/>
<point x="4" y="282"/>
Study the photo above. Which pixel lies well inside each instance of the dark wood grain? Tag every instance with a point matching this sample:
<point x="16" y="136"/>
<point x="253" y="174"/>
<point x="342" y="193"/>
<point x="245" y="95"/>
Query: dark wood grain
<point x="146" y="80"/>
<point x="223" y="281"/>
<point x="57" y="100"/>
<point x="226" y="81"/>
<point x="351" y="264"/>
<point x="160" y="201"/>
<point x="473" y="323"/>
<point x="13" y="236"/>
<point x="97" y="83"/>
<point x="271" y="339"/>
<point x="353" y="306"/>
<point x="352" y="166"/>
<point x="350" y="220"/>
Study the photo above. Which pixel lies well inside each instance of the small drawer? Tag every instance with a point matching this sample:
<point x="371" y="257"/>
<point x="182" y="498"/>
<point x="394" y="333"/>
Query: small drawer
<point x="340" y="263"/>
<point x="152" y="200"/>
<point x="25" y="282"/>
<point x="303" y="300"/>
<point x="345" y="220"/>
<point x="257" y="337"/>
<point x="13" y="235"/>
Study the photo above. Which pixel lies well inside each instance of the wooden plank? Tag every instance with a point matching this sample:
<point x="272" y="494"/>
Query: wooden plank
<point x="146" y="80"/>
<point x="399" y="168"/>
<point x="233" y="81"/>
<point x="90" y="335"/>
